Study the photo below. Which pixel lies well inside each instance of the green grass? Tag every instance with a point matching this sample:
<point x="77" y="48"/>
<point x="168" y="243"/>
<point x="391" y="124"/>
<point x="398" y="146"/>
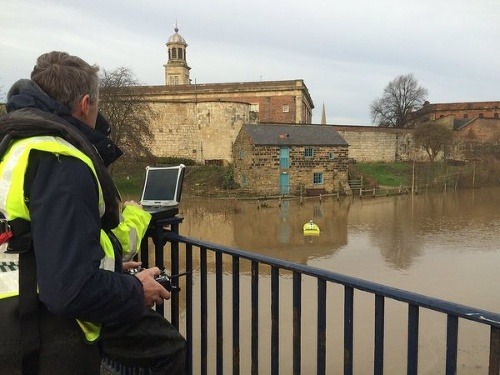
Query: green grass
<point x="386" y="174"/>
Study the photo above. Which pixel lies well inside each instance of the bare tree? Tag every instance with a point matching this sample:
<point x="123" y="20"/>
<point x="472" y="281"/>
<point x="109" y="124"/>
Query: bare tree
<point x="401" y="97"/>
<point x="128" y="112"/>
<point x="3" y="110"/>
<point x="433" y="138"/>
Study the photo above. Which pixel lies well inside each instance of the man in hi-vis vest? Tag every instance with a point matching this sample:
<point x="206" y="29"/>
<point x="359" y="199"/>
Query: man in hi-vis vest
<point x="66" y="305"/>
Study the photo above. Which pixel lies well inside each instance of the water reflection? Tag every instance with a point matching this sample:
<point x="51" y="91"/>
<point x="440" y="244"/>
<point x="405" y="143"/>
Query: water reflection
<point x="274" y="229"/>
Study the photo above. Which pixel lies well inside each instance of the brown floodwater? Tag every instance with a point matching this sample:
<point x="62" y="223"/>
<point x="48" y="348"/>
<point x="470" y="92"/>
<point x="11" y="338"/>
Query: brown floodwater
<point x="445" y="245"/>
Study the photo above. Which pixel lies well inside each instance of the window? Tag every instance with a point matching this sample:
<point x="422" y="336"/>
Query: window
<point x="495" y="115"/>
<point x="308" y="152"/>
<point x="174" y="80"/>
<point x="481" y="115"/>
<point x="242" y="154"/>
<point x="331" y="155"/>
<point x="174" y="53"/>
<point x="254" y="107"/>
<point x="244" y="181"/>
<point x="318" y="179"/>
<point x="286" y="108"/>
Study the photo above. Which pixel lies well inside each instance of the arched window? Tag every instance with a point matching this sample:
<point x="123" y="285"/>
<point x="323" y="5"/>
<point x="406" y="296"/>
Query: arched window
<point x="174" y="53"/>
<point x="179" y="53"/>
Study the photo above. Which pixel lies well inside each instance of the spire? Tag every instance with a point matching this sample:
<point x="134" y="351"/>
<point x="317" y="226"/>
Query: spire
<point x="323" y="116"/>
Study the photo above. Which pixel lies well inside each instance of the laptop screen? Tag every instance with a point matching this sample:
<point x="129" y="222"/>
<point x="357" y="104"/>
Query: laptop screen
<point x="162" y="186"/>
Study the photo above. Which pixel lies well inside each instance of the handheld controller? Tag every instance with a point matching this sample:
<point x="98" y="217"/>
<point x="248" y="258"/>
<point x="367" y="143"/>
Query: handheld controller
<point x="166" y="281"/>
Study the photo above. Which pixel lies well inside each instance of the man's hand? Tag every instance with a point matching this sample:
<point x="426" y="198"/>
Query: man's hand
<point x="130" y="265"/>
<point x="154" y="293"/>
<point x="132" y="203"/>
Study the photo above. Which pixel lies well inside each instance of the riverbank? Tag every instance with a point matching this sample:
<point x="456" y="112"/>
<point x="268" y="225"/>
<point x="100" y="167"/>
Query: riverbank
<point x="385" y="178"/>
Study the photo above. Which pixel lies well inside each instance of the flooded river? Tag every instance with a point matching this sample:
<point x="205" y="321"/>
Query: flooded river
<point x="445" y="245"/>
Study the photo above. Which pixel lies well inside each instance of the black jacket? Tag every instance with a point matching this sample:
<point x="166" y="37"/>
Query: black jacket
<point x="65" y="220"/>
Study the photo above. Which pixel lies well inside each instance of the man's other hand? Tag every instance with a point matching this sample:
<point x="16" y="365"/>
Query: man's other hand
<point x="154" y="292"/>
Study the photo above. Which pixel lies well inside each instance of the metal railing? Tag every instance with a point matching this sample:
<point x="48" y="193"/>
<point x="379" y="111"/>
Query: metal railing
<point x="208" y="351"/>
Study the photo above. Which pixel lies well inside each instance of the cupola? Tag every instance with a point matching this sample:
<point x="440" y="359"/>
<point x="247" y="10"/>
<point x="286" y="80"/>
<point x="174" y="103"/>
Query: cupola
<point x="176" y="69"/>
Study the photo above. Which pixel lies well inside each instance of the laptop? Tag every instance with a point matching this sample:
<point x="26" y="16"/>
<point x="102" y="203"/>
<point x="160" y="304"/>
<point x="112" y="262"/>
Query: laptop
<point x="162" y="190"/>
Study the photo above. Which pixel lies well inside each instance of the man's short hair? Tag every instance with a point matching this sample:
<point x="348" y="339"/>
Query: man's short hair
<point x="66" y="78"/>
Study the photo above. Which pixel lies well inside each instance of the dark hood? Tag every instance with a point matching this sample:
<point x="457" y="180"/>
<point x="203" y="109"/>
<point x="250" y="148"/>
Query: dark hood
<point x="27" y="94"/>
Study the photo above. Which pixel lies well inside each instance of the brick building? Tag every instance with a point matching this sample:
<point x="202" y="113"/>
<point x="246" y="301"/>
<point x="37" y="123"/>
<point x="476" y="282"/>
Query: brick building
<point x="290" y="159"/>
<point x="472" y="137"/>
<point x="431" y="112"/>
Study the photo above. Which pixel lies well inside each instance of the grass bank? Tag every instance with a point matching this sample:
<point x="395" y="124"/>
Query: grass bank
<point x="426" y="175"/>
<point x="218" y="181"/>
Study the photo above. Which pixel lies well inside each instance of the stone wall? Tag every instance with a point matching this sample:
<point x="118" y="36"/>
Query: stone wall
<point x="368" y="144"/>
<point x="199" y="131"/>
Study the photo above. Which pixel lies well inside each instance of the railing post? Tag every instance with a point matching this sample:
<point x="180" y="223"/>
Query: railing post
<point x="255" y="318"/>
<point x="297" y="314"/>
<point x="189" y="309"/>
<point x="494" y="367"/>
<point x="236" y="315"/>
<point x="451" y="345"/>
<point x="379" y="335"/>
<point x="203" y="310"/>
<point x="321" y="346"/>
<point x="412" y="364"/>
<point x="348" y="329"/>
<point x="275" y="320"/>
<point x="174" y="270"/>
<point x="219" y="313"/>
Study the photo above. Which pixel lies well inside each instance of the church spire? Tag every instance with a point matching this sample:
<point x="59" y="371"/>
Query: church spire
<point x="323" y="116"/>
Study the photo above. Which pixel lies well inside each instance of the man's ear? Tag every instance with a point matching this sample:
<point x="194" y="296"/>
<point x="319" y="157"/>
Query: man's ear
<point x="82" y="108"/>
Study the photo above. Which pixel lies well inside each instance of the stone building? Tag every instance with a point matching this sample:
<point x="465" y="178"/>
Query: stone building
<point x="201" y="121"/>
<point x="290" y="159"/>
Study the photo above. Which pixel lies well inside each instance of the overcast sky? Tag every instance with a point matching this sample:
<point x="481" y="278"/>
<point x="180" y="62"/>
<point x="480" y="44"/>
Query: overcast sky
<point x="346" y="51"/>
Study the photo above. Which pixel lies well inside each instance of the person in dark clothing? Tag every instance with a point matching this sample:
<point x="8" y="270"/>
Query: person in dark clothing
<point x="55" y="152"/>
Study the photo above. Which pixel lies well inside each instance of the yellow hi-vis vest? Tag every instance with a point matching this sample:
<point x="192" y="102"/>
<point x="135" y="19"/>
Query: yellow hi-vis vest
<point x="12" y="170"/>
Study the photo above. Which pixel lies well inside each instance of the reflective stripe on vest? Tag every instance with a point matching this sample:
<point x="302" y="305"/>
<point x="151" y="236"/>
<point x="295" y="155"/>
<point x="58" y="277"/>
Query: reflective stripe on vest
<point x="12" y="171"/>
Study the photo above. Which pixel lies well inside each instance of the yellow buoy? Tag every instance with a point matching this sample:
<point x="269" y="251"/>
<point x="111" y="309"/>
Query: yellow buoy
<point x="310" y="229"/>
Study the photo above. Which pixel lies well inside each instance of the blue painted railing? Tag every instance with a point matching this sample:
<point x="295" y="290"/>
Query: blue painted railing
<point x="184" y="249"/>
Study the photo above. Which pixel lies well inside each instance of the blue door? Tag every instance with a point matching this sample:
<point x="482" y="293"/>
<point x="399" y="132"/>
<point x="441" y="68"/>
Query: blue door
<point x="284" y="183"/>
<point x="284" y="158"/>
